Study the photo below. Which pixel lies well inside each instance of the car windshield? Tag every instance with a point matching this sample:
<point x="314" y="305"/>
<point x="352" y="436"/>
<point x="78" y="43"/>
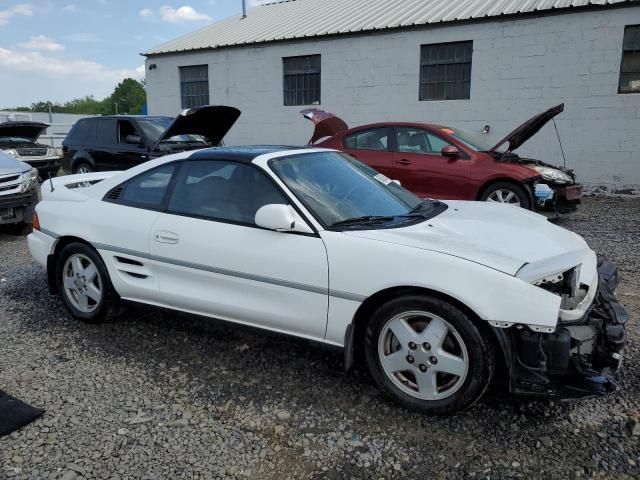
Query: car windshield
<point x="472" y="140"/>
<point x="16" y="140"/>
<point x="153" y="128"/>
<point x="341" y="191"/>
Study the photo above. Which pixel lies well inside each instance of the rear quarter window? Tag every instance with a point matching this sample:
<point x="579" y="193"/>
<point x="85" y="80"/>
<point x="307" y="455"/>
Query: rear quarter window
<point x="82" y="132"/>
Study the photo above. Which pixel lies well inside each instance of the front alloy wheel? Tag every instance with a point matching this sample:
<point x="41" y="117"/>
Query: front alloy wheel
<point x="508" y="193"/>
<point x="423" y="355"/>
<point x="429" y="355"/>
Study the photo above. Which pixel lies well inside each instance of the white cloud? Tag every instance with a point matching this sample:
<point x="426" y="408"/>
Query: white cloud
<point x="40" y="42"/>
<point x="36" y="62"/>
<point x="71" y="8"/>
<point x="23" y="9"/>
<point x="182" y="14"/>
<point x="146" y="12"/>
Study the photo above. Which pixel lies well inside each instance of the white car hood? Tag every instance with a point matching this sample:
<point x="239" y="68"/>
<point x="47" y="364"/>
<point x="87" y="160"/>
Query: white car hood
<point x="501" y="237"/>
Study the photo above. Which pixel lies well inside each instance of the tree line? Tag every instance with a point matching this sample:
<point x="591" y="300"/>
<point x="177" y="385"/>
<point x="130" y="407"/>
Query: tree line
<point x="128" y="97"/>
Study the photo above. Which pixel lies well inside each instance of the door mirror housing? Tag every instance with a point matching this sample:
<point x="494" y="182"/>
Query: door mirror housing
<point x="451" y="151"/>
<point x="133" y="139"/>
<point x="280" y="218"/>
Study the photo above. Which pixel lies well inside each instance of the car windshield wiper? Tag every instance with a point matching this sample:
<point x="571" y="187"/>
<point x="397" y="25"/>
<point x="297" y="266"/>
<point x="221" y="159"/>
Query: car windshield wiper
<point x="427" y="204"/>
<point x="363" y="219"/>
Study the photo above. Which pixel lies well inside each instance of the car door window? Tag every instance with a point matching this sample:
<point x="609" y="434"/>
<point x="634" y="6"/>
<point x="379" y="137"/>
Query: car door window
<point x="125" y="128"/>
<point x="106" y="131"/>
<point x="373" y="139"/>
<point x="221" y="190"/>
<point x="147" y="190"/>
<point x="416" y="140"/>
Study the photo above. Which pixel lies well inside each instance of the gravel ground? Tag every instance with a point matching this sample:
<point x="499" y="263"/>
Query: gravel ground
<point x="160" y="395"/>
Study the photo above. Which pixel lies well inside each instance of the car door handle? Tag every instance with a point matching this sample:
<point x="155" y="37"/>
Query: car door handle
<point x="163" y="236"/>
<point x="404" y="161"/>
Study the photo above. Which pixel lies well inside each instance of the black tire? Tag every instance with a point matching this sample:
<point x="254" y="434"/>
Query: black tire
<point x="518" y="190"/>
<point x="82" y="165"/>
<point x="110" y="304"/>
<point x="481" y="361"/>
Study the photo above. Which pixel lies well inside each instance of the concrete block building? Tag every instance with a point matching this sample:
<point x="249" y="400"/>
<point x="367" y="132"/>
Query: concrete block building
<point x="483" y="66"/>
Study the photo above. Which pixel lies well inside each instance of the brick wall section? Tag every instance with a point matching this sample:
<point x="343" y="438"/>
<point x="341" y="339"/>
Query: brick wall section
<point x="520" y="67"/>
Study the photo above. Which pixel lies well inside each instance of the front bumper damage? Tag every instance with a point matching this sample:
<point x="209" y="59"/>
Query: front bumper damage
<point x="580" y="358"/>
<point x="555" y="200"/>
<point x="16" y="208"/>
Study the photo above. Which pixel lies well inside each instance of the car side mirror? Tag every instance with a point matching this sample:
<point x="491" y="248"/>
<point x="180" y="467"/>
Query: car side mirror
<point x="133" y="139"/>
<point x="451" y="151"/>
<point x="280" y="218"/>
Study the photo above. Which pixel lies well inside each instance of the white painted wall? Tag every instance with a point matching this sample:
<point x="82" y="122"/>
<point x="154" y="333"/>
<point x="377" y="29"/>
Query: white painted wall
<point x="520" y="67"/>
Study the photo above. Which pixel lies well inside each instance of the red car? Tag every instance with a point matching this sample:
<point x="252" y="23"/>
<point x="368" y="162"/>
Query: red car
<point x="442" y="162"/>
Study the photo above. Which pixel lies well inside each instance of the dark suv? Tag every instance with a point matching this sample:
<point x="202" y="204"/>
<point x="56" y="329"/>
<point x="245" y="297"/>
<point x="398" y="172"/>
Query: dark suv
<point x="122" y="141"/>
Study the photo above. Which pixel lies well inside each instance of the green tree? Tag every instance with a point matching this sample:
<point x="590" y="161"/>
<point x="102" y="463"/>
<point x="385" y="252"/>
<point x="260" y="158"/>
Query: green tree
<point x="130" y="96"/>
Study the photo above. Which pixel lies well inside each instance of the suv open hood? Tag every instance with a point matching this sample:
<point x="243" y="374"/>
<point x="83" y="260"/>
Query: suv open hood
<point x="528" y="129"/>
<point x="327" y="124"/>
<point x="211" y="122"/>
<point x="30" y="130"/>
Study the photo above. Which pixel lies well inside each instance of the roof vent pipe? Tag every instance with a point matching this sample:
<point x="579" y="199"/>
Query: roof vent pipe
<point x="244" y="8"/>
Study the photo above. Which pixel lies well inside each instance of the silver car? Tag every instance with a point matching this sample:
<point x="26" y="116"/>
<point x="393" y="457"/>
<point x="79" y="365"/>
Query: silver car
<point x="18" y="191"/>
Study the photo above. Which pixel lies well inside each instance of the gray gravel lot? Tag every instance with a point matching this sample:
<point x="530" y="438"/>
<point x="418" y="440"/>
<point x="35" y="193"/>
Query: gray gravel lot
<point x="160" y="395"/>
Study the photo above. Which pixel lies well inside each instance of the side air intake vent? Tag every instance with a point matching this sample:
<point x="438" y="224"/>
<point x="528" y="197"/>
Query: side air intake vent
<point x="114" y="193"/>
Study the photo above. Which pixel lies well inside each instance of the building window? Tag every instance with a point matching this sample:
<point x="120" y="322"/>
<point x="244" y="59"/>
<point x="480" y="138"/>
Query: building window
<point x="445" y="71"/>
<point x="630" y="68"/>
<point x="194" y="86"/>
<point x="302" y="80"/>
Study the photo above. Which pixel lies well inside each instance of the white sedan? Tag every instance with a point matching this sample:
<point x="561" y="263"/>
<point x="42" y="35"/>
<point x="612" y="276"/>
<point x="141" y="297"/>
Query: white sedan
<point x="431" y="295"/>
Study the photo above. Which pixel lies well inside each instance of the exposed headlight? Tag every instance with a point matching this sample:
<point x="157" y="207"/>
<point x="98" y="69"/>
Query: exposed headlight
<point x="29" y="180"/>
<point x="52" y="152"/>
<point x="552" y="174"/>
<point x="11" y="152"/>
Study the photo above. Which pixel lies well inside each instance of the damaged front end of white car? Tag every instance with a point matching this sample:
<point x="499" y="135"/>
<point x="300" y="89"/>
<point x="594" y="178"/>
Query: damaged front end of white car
<point x="580" y="357"/>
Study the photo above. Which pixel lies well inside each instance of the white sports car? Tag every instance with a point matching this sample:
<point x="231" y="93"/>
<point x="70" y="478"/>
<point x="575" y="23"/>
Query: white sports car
<point x="309" y="242"/>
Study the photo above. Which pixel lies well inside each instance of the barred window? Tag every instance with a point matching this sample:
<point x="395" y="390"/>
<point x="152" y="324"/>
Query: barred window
<point x="194" y="86"/>
<point x="445" y="71"/>
<point x="630" y="67"/>
<point x="302" y="80"/>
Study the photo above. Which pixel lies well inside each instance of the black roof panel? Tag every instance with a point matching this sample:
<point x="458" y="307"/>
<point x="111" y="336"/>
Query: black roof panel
<point x="243" y="153"/>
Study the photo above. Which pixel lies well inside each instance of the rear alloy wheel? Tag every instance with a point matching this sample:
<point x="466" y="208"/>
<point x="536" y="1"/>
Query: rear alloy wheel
<point x="428" y="355"/>
<point x="84" y="284"/>
<point x="83" y="167"/>
<point x="507" y="192"/>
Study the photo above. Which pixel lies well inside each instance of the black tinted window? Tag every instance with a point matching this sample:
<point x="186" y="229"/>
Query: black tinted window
<point x="223" y="191"/>
<point x="106" y="131"/>
<point x="80" y="132"/>
<point x="148" y="189"/>
<point x="375" y="139"/>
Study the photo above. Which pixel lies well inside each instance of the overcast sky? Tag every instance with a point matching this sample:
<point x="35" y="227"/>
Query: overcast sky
<point x="63" y="49"/>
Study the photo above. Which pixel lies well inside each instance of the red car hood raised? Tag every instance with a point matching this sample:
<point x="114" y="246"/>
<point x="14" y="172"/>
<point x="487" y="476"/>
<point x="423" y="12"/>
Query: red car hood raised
<point x="327" y="124"/>
<point x="528" y="129"/>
